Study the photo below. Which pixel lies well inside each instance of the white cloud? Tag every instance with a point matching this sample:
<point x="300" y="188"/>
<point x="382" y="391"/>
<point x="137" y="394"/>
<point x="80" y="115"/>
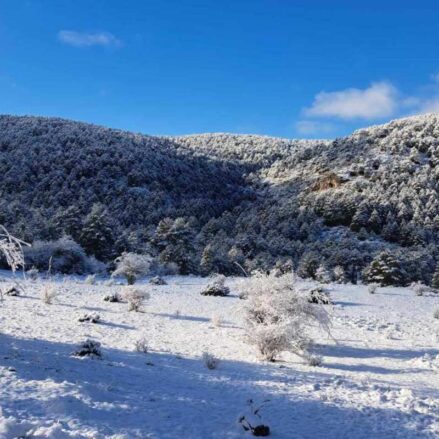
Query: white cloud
<point x="85" y="39"/>
<point x="430" y="105"/>
<point x="313" y="127"/>
<point x="377" y="101"/>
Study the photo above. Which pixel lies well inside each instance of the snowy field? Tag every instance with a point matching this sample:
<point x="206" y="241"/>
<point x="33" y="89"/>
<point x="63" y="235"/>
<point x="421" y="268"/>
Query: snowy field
<point x="380" y="380"/>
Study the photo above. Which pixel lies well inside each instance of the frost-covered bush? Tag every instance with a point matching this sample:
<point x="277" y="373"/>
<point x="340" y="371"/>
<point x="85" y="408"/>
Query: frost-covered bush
<point x="419" y="288"/>
<point x="48" y="293"/>
<point x="132" y="266"/>
<point x="216" y="287"/>
<point x="63" y="256"/>
<point x="217" y="321"/>
<point x="279" y="315"/>
<point x="32" y="274"/>
<point x="141" y="345"/>
<point x="11" y="249"/>
<point x="89" y="348"/>
<point x="134" y="297"/>
<point x="319" y="296"/>
<point x="112" y="298"/>
<point x="157" y="280"/>
<point x="210" y="361"/>
<point x="90" y="279"/>
<point x="372" y="288"/>
<point x="91" y="318"/>
<point x="314" y="360"/>
<point x="13" y="291"/>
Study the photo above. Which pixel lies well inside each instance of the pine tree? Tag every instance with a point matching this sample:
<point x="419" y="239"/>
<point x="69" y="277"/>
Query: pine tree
<point x="323" y="275"/>
<point x="385" y="270"/>
<point x="97" y="234"/>
<point x="435" y="279"/>
<point x="175" y="241"/>
<point x="207" y="259"/>
<point x="339" y="274"/>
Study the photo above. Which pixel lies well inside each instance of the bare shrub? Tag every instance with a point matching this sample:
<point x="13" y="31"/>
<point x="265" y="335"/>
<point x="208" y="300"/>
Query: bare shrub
<point x="32" y="274"/>
<point x="210" y="361"/>
<point x="372" y="288"/>
<point x="216" y="287"/>
<point x="134" y="297"/>
<point x="48" y="293"/>
<point x="90" y="279"/>
<point x="132" y="266"/>
<point x="12" y="249"/>
<point x="419" y="288"/>
<point x="141" y="345"/>
<point x="278" y="315"/>
<point x="89" y="348"/>
<point x="217" y="321"/>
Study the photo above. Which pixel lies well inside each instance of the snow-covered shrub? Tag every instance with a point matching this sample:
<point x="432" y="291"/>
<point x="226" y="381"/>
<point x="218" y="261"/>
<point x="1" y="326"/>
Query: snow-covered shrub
<point x="217" y="321"/>
<point x="436" y="313"/>
<point x="141" y="345"/>
<point x="157" y="280"/>
<point x="90" y="279"/>
<point x="132" y="266"/>
<point x="109" y="282"/>
<point x="419" y="288"/>
<point x="134" y="297"/>
<point x="92" y="318"/>
<point x="13" y="291"/>
<point x="372" y="288"/>
<point x="65" y="256"/>
<point x="216" y="287"/>
<point x="89" y="348"/>
<point x="32" y="274"/>
<point x="252" y="422"/>
<point x="210" y="361"/>
<point x="278" y="315"/>
<point x="112" y="298"/>
<point x="48" y="293"/>
<point x="11" y="249"/>
<point x="319" y="296"/>
<point x="314" y="360"/>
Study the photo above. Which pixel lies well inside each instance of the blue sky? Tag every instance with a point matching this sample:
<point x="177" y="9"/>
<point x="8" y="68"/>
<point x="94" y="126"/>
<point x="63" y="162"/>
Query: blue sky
<point x="277" y="67"/>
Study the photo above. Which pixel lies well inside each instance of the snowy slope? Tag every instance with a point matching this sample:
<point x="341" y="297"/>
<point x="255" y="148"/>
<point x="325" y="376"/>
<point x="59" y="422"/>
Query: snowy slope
<point x="380" y="380"/>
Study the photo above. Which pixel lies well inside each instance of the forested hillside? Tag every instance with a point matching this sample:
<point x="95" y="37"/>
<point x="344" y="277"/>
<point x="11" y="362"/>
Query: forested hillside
<point x="207" y="203"/>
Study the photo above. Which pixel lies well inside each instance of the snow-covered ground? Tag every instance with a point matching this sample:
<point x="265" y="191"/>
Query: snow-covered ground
<point x="380" y="380"/>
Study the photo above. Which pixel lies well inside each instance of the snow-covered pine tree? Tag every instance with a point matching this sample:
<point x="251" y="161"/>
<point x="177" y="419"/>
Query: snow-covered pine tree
<point x="97" y="234"/>
<point x="435" y="279"/>
<point x="385" y="270"/>
<point x="323" y="275"/>
<point x="339" y="274"/>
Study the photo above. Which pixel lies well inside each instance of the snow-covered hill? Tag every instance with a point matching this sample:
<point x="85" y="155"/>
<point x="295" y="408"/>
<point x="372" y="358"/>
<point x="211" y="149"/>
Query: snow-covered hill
<point x="380" y="380"/>
<point x="253" y="200"/>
